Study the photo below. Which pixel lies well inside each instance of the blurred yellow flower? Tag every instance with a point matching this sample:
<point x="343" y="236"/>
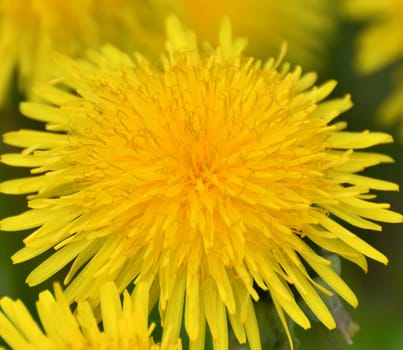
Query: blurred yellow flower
<point x="306" y="25"/>
<point x="122" y="327"/>
<point x="380" y="44"/>
<point x="201" y="178"/>
<point x="31" y="30"/>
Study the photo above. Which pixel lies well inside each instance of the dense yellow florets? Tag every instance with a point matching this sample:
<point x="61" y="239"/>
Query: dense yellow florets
<point x="202" y="178"/>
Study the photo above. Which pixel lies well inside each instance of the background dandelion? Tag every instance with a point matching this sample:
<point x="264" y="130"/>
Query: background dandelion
<point x="306" y="25"/>
<point x="123" y="326"/>
<point x="30" y="31"/>
<point x="379" y="45"/>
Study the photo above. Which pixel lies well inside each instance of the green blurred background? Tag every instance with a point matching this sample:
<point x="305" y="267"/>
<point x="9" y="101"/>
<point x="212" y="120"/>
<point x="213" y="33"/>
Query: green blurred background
<point x="380" y="313"/>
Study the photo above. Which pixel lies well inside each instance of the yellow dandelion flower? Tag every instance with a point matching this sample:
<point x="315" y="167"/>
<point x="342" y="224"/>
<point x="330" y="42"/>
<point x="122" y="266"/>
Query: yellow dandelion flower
<point x="379" y="45"/>
<point x="122" y="326"/>
<point x="31" y="30"/>
<point x="305" y="25"/>
<point x="199" y="178"/>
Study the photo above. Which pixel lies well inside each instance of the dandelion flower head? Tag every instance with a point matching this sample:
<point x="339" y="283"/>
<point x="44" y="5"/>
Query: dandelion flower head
<point x="380" y="44"/>
<point x="305" y="25"/>
<point x="31" y="30"/>
<point x="202" y="179"/>
<point x="122" y="327"/>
